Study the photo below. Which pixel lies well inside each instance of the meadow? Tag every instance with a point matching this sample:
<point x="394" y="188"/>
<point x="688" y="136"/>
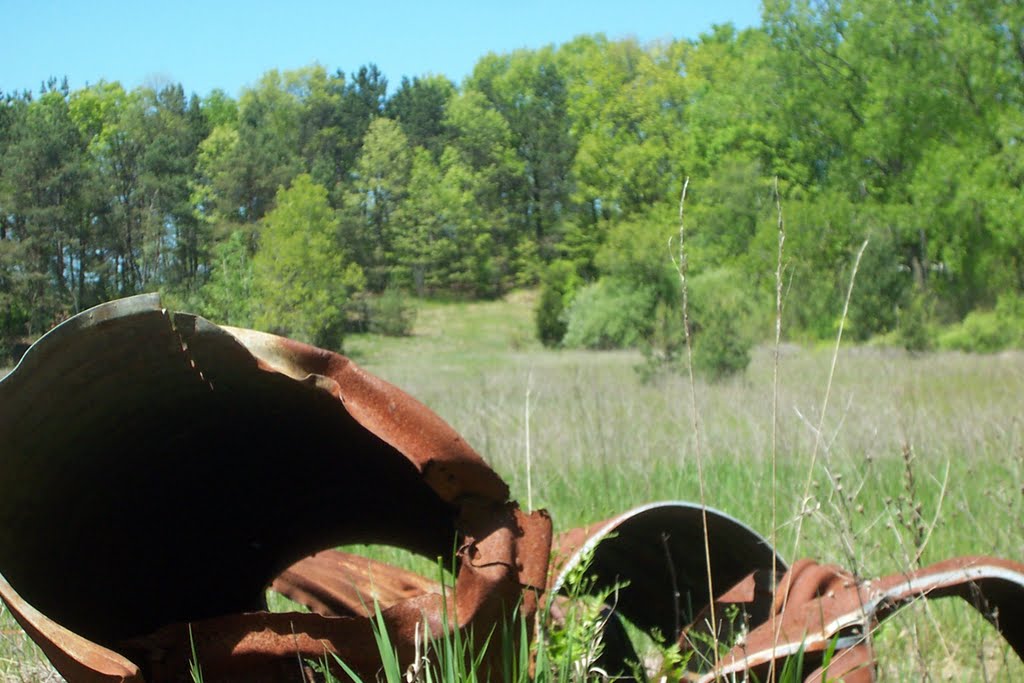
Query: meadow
<point x="920" y="457"/>
<point x="916" y="458"/>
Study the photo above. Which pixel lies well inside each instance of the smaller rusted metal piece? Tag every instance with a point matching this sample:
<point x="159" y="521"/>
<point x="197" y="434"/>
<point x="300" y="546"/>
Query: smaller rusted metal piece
<point x="818" y="608"/>
<point x="339" y="584"/>
<point x="81" y="660"/>
<point x="653" y="556"/>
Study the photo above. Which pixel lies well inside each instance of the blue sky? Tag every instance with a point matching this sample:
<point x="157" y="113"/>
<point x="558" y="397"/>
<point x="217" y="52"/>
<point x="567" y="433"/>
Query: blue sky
<point x="229" y="44"/>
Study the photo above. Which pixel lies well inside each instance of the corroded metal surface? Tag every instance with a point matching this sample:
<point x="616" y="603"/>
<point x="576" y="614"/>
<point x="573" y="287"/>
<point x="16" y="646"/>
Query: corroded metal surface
<point x="820" y="607"/>
<point x="154" y="456"/>
<point x="336" y="584"/>
<point x="156" y="472"/>
<point x="77" y="658"/>
<point x="655" y="552"/>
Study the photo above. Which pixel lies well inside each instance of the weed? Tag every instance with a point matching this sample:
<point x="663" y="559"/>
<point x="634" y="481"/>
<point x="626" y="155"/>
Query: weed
<point x="195" y="669"/>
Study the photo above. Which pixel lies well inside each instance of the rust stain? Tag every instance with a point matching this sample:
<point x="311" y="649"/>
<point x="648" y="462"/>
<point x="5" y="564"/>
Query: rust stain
<point x="160" y="484"/>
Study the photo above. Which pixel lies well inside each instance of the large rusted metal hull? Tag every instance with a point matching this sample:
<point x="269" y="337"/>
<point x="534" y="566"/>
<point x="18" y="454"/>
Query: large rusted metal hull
<point x="160" y="472"/>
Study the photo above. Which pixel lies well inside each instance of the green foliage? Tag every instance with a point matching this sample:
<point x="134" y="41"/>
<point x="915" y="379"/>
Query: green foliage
<point x="482" y="143"/>
<point x="630" y="142"/>
<point x="914" y="327"/>
<point x="637" y="251"/>
<point x="390" y="313"/>
<point x="989" y="331"/>
<point x="219" y="109"/>
<point x="380" y="186"/>
<point x="195" y="667"/>
<point x="551" y="326"/>
<point x="727" y="209"/>
<point x="558" y="287"/>
<point x="529" y="90"/>
<point x="419" y="107"/>
<point x="663" y="350"/>
<point x="722" y="322"/>
<point x="881" y="287"/>
<point x="441" y="240"/>
<point x="227" y="297"/>
<point x="302" y="280"/>
<point x="875" y="124"/>
<point x="609" y="314"/>
<point x="565" y="652"/>
<point x="573" y="643"/>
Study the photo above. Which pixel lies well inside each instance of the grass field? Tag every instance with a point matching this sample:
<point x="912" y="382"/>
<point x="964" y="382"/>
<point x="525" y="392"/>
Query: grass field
<point x="914" y="451"/>
<point x="918" y="459"/>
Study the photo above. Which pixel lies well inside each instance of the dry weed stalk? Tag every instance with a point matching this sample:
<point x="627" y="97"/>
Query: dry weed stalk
<point x="781" y="227"/>
<point x="805" y="496"/>
<point x="909" y="515"/>
<point x="526" y="428"/>
<point x="682" y="269"/>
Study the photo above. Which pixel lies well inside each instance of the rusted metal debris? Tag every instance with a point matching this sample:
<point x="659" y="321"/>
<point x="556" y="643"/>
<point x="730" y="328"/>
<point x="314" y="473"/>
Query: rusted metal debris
<point x="159" y="472"/>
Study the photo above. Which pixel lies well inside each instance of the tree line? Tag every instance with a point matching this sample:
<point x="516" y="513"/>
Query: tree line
<point x="308" y="198"/>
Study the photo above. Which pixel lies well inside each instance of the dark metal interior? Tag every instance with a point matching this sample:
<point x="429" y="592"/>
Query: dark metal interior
<point x="146" y="483"/>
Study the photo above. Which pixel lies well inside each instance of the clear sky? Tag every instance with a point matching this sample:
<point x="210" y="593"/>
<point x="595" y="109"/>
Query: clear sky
<point x="228" y="44"/>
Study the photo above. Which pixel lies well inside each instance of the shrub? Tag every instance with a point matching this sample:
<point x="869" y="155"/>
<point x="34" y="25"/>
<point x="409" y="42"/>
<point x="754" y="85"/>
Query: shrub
<point x="913" y="327"/>
<point x="722" y="323"/>
<point x="664" y="347"/>
<point x="610" y="314"/>
<point x="988" y="331"/>
<point x="558" y="286"/>
<point x="879" y="287"/>
<point x="721" y="350"/>
<point x="390" y="313"/>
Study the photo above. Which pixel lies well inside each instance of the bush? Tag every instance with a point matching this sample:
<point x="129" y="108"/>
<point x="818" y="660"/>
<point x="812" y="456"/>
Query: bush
<point x="721" y="350"/>
<point x="390" y="313"/>
<point x="610" y="314"/>
<point x="989" y="331"/>
<point x="722" y="323"/>
<point x="880" y="285"/>
<point x="913" y="327"/>
<point x="664" y="347"/>
<point x="558" y="287"/>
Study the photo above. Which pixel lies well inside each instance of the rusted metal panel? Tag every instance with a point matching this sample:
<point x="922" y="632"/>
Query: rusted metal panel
<point x="335" y="584"/>
<point x="657" y="552"/>
<point x="818" y="607"/>
<point x="167" y="460"/>
<point x="77" y="658"/>
<point x="160" y="472"/>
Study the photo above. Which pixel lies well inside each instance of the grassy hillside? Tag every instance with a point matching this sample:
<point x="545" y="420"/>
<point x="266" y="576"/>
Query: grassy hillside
<point x="918" y="458"/>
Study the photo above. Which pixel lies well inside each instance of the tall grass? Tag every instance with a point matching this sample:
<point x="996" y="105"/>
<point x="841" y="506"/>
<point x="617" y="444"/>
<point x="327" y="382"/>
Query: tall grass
<point x="919" y="457"/>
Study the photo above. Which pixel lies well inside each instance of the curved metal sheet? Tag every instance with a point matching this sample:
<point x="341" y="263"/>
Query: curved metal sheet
<point x="819" y="607"/>
<point x="657" y="552"/>
<point x="158" y="469"/>
<point x="336" y="583"/>
<point x="165" y="460"/>
<point x="76" y="658"/>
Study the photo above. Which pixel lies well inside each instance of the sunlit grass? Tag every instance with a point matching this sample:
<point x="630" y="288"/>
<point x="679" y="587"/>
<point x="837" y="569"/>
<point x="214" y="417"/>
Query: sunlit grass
<point x="603" y="441"/>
